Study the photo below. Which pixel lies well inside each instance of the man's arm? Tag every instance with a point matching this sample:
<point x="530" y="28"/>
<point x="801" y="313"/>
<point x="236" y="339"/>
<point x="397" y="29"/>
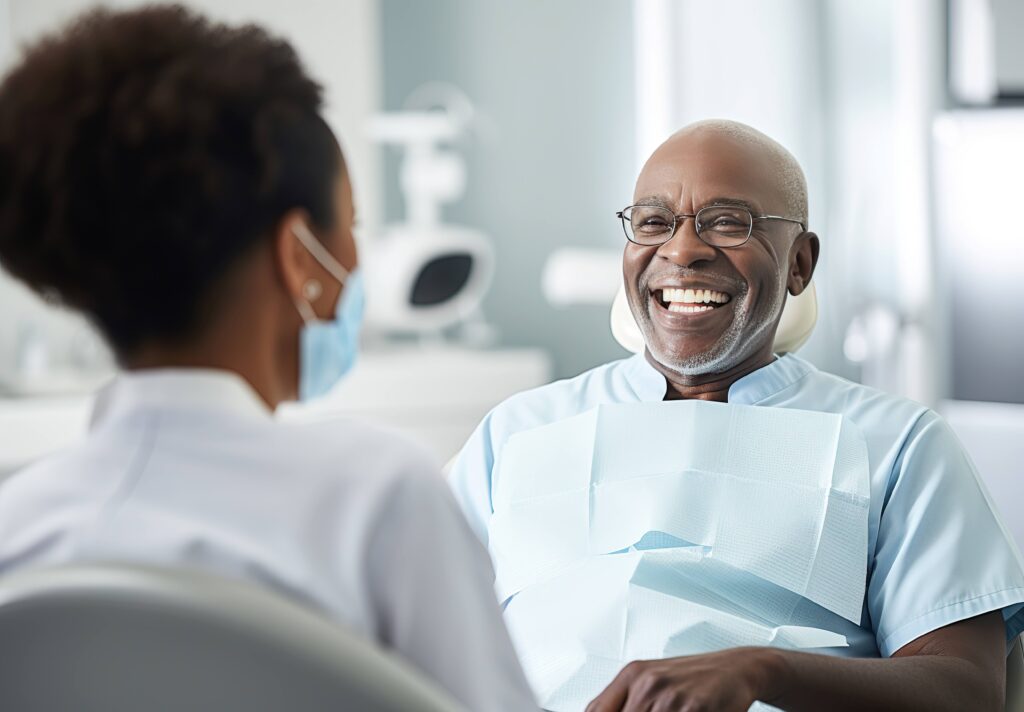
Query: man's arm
<point x="961" y="666"/>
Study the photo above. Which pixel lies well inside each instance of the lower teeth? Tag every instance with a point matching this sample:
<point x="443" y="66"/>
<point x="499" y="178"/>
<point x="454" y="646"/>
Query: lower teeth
<point x="688" y="308"/>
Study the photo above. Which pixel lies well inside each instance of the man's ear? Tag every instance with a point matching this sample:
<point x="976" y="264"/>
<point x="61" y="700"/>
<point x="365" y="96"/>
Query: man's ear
<point x="803" y="258"/>
<point x="294" y="265"/>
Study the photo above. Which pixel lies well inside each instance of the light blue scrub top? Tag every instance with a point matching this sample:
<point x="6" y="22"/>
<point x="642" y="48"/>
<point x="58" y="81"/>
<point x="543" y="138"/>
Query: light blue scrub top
<point x="937" y="551"/>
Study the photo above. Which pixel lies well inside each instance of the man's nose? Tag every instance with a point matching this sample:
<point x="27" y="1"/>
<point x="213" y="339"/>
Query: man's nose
<point x="685" y="248"/>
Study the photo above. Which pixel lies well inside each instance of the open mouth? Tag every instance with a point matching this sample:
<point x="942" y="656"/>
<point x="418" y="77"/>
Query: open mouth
<point x="690" y="301"/>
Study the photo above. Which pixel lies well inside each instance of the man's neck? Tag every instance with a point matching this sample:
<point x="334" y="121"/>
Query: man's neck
<point x="708" y="386"/>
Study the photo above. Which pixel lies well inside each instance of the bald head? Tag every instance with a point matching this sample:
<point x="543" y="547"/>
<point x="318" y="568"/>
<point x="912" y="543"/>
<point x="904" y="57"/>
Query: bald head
<point x="717" y="163"/>
<point x="782" y="166"/>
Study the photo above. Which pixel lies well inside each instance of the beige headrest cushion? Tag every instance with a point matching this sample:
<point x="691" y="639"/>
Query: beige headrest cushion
<point x="795" y="327"/>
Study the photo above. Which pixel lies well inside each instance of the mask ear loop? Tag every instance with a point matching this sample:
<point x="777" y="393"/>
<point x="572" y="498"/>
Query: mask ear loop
<point x="312" y="288"/>
<point x="320" y="253"/>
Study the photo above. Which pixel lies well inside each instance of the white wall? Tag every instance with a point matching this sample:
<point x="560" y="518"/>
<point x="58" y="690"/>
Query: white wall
<point x="885" y="82"/>
<point x="750" y="61"/>
<point x="5" y="30"/>
<point x="338" y="42"/>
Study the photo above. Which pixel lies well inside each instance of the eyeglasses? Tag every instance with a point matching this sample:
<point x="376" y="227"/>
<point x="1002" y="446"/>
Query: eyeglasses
<point x="717" y="225"/>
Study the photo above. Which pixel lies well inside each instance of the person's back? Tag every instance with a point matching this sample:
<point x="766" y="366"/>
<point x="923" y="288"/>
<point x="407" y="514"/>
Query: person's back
<point x="190" y="469"/>
<point x="173" y="179"/>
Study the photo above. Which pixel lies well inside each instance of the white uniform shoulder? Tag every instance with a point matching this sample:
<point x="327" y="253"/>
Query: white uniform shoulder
<point x="346" y="440"/>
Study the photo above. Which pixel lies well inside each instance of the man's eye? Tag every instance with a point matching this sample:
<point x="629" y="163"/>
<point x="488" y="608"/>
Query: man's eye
<point x="726" y="224"/>
<point x="652" y="225"/>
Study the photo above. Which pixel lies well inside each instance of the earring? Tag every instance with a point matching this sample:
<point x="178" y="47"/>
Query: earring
<point x="312" y="290"/>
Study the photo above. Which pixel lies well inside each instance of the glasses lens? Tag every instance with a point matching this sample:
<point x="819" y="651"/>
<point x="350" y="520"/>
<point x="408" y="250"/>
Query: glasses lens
<point x="724" y="225"/>
<point x="648" y="225"/>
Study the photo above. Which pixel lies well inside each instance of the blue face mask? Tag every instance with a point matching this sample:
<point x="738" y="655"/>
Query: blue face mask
<point x="327" y="349"/>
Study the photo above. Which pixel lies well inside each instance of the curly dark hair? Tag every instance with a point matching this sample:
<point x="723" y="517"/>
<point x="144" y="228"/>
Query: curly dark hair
<point x="143" y="153"/>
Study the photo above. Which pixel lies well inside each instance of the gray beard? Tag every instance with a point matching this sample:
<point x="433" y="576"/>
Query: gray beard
<point x="738" y="343"/>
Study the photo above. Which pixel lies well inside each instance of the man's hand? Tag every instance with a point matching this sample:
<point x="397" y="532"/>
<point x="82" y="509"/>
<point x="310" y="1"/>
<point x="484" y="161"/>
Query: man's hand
<point x="730" y="681"/>
<point x="959" y="667"/>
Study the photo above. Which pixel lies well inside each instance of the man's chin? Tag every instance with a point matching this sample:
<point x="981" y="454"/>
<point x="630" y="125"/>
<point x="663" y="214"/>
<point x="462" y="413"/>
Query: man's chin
<point x="697" y="354"/>
<point x="688" y="350"/>
<point x="690" y="364"/>
<point x="710" y="343"/>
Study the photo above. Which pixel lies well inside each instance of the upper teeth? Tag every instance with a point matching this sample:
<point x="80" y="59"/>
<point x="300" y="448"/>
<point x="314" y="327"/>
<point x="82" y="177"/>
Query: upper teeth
<point x="694" y="296"/>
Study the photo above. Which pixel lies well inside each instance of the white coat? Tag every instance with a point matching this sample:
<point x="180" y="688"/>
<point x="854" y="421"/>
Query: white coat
<point x="189" y="467"/>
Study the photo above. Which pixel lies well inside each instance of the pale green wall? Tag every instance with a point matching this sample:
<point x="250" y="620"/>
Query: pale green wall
<point x="554" y="157"/>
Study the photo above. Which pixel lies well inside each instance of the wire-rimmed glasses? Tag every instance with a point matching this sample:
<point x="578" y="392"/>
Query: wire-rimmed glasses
<point x="717" y="225"/>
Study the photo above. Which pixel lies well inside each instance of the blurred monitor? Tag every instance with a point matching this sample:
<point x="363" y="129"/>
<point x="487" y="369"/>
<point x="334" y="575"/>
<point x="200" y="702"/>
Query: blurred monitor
<point x="978" y="158"/>
<point x="986" y="54"/>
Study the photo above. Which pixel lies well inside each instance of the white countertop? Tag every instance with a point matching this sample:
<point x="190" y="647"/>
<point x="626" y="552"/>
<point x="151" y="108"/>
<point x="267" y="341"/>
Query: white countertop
<point x="436" y="394"/>
<point x="33" y="427"/>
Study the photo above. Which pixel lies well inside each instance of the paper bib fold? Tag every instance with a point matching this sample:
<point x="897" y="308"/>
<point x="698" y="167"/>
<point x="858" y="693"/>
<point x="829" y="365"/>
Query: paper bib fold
<point x="650" y="530"/>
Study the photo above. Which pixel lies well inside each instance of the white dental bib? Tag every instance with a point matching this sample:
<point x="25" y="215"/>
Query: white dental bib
<point x="652" y="530"/>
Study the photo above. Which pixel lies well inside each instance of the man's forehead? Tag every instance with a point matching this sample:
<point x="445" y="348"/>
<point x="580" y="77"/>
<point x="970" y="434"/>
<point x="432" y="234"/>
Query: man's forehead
<point x="708" y="169"/>
<point x="685" y="188"/>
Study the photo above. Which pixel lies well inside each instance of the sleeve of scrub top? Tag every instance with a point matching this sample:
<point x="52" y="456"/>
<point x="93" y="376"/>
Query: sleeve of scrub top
<point x="432" y="586"/>
<point x="942" y="554"/>
<point x="470" y="478"/>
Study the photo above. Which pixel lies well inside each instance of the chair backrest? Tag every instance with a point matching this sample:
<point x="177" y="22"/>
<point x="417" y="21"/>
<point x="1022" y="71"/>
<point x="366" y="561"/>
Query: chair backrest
<point x="116" y="638"/>
<point x="798" y="320"/>
<point x="1015" y="678"/>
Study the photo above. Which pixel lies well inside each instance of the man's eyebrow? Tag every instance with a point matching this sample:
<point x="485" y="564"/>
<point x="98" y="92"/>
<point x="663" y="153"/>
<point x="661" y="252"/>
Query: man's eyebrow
<point x="654" y="201"/>
<point x="738" y="202"/>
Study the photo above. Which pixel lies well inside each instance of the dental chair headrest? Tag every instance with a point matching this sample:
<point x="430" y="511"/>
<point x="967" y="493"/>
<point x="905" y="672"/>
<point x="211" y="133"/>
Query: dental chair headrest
<point x="798" y="319"/>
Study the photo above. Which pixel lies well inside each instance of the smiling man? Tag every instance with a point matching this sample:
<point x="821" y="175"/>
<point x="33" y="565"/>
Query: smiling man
<point x="707" y="321"/>
<point x="891" y="586"/>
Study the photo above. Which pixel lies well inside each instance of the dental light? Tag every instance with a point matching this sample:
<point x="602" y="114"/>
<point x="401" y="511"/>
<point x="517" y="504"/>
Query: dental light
<point x="424" y="275"/>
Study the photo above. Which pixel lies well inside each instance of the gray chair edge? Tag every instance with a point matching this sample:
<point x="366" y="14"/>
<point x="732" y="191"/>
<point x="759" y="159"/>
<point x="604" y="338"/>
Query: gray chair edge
<point x="269" y="615"/>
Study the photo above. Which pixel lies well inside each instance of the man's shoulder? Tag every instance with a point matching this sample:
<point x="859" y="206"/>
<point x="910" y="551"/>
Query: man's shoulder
<point x="876" y="412"/>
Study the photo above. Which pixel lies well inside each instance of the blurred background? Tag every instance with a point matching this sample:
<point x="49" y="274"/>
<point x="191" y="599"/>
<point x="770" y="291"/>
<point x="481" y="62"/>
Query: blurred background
<point x="491" y="143"/>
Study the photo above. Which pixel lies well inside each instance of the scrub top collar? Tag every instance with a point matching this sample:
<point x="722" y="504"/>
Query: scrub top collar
<point x="188" y="389"/>
<point x="754" y="388"/>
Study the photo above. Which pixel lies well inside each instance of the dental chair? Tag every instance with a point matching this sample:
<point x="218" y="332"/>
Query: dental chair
<point x="795" y="327"/>
<point x="117" y="638"/>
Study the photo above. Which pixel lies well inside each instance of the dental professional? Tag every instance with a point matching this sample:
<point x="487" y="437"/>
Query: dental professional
<point x="173" y="179"/>
<point x="626" y="590"/>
